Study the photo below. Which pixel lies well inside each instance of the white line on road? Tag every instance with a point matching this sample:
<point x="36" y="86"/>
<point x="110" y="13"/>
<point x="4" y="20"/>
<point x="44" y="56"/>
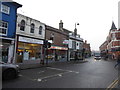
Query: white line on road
<point x="59" y="74"/>
<point x="41" y="72"/>
<point x="63" y="70"/>
<point x="50" y="76"/>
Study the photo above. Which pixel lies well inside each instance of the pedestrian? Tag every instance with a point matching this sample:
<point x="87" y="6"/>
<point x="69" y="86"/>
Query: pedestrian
<point x="118" y="61"/>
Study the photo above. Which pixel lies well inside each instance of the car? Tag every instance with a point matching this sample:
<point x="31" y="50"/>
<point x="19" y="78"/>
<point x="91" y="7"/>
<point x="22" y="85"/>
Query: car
<point x="9" y="71"/>
<point x="97" y="57"/>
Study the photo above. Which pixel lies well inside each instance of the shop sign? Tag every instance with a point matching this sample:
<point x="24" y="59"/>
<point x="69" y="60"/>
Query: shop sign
<point x="30" y="40"/>
<point x="60" y="48"/>
<point x="66" y="42"/>
<point x="77" y="45"/>
<point x="70" y="43"/>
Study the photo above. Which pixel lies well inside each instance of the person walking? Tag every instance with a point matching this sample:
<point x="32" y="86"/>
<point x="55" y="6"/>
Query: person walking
<point x="118" y="61"/>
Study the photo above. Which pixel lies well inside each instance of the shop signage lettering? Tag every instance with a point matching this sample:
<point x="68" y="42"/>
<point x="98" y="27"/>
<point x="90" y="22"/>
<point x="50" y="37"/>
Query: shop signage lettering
<point x="60" y="48"/>
<point x="66" y="42"/>
<point x="30" y="40"/>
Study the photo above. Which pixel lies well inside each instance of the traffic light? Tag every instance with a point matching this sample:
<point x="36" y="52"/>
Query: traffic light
<point x="49" y="44"/>
<point x="45" y="43"/>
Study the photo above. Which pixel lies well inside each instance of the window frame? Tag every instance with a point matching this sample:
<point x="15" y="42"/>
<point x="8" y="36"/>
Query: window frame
<point x="40" y="30"/>
<point x="22" y="26"/>
<point x="5" y="9"/>
<point x="32" y="29"/>
<point x="4" y="27"/>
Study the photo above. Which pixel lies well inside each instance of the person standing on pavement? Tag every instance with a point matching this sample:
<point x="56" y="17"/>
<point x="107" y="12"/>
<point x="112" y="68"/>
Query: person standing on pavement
<point x="118" y="61"/>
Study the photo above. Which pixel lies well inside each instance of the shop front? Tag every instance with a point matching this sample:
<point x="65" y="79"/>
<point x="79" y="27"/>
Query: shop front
<point x="29" y="50"/>
<point x="6" y="50"/>
<point x="76" y="54"/>
<point x="57" y="53"/>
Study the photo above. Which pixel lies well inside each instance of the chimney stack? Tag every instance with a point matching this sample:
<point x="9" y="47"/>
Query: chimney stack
<point x="61" y="25"/>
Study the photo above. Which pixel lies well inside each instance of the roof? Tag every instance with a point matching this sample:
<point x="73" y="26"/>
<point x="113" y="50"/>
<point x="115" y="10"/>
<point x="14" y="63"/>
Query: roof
<point x="55" y="30"/>
<point x="11" y="1"/>
<point x="113" y="26"/>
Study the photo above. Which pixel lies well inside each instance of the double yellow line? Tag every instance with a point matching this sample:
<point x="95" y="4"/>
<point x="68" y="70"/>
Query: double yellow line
<point x="113" y="84"/>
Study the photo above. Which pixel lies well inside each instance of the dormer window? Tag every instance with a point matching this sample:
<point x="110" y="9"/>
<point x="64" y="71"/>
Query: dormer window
<point x="22" y="25"/>
<point x="32" y="28"/>
<point x="5" y="9"/>
<point x="40" y="30"/>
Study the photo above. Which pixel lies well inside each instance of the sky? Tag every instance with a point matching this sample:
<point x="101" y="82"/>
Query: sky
<point x="94" y="16"/>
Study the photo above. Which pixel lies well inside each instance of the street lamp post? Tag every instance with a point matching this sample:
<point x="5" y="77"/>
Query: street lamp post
<point x="75" y="30"/>
<point x="75" y="34"/>
<point x="76" y="24"/>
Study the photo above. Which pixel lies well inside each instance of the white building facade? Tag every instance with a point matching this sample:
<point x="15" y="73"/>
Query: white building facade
<point x="75" y="47"/>
<point x="30" y="34"/>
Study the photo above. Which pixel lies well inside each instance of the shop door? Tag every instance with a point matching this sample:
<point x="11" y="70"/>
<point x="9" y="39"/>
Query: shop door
<point x="4" y="52"/>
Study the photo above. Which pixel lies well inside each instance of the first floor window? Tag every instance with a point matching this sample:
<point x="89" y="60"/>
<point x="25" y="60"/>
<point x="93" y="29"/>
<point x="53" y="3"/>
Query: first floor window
<point x="22" y="25"/>
<point x="40" y="30"/>
<point x="32" y="28"/>
<point x="5" y="9"/>
<point x="3" y="27"/>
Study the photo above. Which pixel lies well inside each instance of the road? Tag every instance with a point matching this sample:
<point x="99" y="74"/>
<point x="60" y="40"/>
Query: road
<point x="91" y="74"/>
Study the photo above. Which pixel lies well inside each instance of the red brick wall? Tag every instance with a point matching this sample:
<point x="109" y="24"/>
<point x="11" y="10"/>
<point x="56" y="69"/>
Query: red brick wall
<point x="59" y="37"/>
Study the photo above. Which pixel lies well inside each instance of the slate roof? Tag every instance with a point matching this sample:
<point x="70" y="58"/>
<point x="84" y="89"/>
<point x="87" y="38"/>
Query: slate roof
<point x="113" y="26"/>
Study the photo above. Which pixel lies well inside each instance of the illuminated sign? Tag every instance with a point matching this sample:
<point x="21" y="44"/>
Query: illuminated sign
<point x="66" y="42"/>
<point x="60" y="48"/>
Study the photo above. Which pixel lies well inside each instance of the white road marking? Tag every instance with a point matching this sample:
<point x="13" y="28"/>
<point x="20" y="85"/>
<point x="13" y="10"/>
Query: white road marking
<point x="56" y="68"/>
<point x="60" y="75"/>
<point x="62" y="70"/>
<point x="50" y="76"/>
<point x="41" y="72"/>
<point x="39" y="80"/>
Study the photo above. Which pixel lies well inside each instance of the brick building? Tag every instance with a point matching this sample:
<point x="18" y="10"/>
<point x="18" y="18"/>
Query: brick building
<point x="59" y="47"/>
<point x="87" y="49"/>
<point x="119" y="15"/>
<point x="111" y="47"/>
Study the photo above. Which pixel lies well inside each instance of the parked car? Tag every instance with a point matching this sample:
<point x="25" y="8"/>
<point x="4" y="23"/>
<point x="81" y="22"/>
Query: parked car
<point x="9" y="71"/>
<point x="97" y="57"/>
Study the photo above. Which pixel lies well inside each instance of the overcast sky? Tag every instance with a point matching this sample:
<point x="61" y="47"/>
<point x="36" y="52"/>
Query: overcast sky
<point x="94" y="16"/>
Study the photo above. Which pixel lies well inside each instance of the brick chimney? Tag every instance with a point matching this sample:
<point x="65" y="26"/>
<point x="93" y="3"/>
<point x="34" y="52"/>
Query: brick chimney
<point x="85" y="41"/>
<point x="61" y="25"/>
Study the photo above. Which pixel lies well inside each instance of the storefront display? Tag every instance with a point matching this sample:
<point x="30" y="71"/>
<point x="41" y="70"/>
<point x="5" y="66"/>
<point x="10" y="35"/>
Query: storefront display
<point x="28" y="51"/>
<point x="57" y="53"/>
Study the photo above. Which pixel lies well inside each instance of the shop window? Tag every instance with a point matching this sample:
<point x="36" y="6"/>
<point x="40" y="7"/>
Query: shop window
<point x="3" y="27"/>
<point x="73" y="45"/>
<point x="40" y="30"/>
<point x="22" y="25"/>
<point x="32" y="28"/>
<point x="27" y="51"/>
<point x="5" y="9"/>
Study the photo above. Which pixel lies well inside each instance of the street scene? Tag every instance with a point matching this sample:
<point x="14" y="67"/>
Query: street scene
<point x="92" y="73"/>
<point x="60" y="44"/>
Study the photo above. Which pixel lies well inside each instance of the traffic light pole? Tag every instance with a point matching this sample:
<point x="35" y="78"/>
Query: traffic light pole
<point x="47" y="56"/>
<point x="46" y="46"/>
